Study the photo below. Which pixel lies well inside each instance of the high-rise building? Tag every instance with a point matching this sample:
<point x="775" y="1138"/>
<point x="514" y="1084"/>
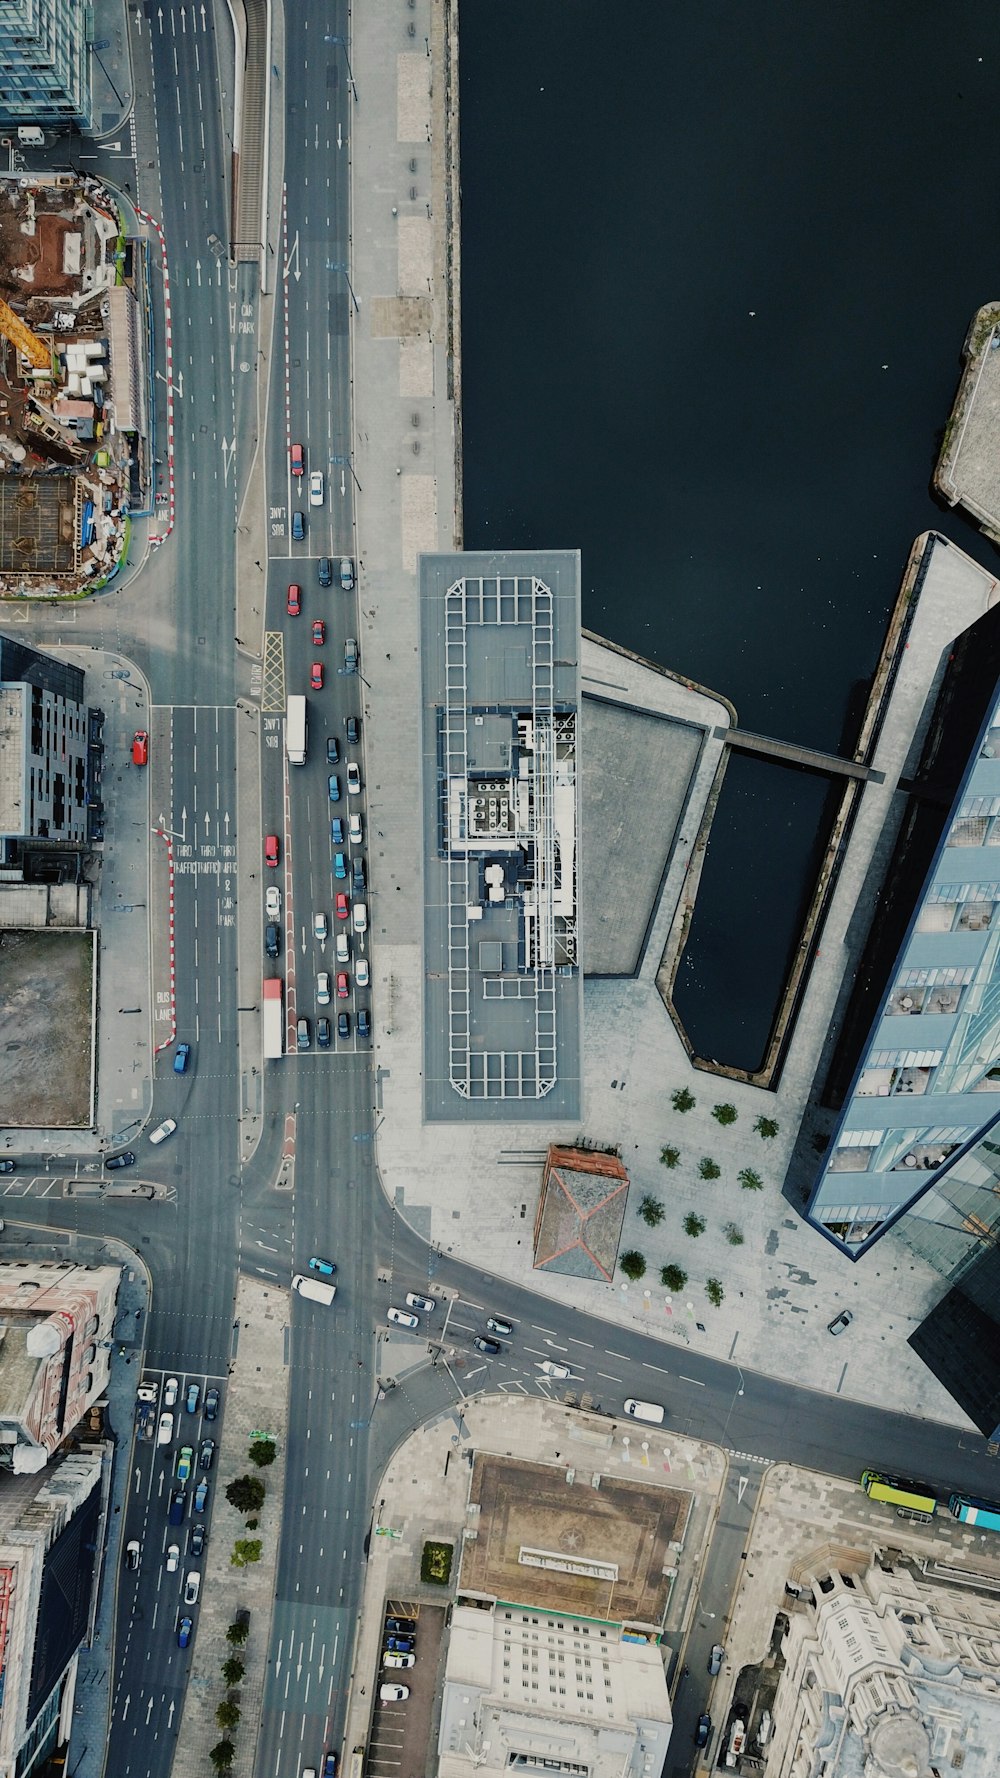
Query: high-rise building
<point x="56" y="1328"/>
<point x="43" y="750"/>
<point x="45" y="62"/>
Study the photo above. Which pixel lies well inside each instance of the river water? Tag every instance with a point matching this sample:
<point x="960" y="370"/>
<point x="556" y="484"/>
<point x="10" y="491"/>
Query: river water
<point x="717" y="266"/>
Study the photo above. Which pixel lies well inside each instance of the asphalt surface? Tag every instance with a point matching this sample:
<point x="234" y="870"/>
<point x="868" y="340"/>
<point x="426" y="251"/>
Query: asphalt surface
<point x="177" y="622"/>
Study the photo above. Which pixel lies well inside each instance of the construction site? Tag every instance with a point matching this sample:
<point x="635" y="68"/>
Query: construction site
<point x="73" y="403"/>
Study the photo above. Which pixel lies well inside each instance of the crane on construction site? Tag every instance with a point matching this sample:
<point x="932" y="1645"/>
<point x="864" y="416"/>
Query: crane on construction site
<point x="20" y="335"/>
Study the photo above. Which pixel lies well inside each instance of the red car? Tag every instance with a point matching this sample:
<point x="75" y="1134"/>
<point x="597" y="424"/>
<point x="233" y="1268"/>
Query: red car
<point x="316" y="676"/>
<point x="140" y="748"/>
<point x="319" y="633"/>
<point x="342" y="988"/>
<point x="298" y="461"/>
<point x="271" y="850"/>
<point x="342" y="908"/>
<point x="294" y="601"/>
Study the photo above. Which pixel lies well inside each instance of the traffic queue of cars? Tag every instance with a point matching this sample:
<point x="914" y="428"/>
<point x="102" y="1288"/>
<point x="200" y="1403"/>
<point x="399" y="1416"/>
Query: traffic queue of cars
<point x="159" y="1416"/>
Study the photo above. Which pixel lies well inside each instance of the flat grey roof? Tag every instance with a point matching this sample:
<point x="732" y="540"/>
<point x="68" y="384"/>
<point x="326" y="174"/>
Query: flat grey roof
<point x="500" y="677"/>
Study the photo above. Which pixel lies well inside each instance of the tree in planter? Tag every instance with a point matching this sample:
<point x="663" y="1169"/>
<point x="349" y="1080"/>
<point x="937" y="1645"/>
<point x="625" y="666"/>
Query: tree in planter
<point x="683" y="1100"/>
<point x="233" y="1670"/>
<point x="238" y="1631"/>
<point x="714" y="1292"/>
<point x="435" y="1564"/>
<point x="651" y="1211"/>
<point x="263" y="1452"/>
<point x="632" y="1264"/>
<point x="246" y="1493"/>
<point x="725" y="1114"/>
<point x="694" y="1225"/>
<point x="749" y="1180"/>
<point x="227" y="1714"/>
<point x="669" y="1157"/>
<point x="222" y="1754"/>
<point x="673" y="1278"/>
<point x="766" y="1127"/>
<point x="245" y="1549"/>
<point x="733" y="1234"/>
<point x="709" y="1169"/>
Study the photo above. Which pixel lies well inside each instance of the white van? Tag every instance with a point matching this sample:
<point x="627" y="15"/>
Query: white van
<point x="314" y="1288"/>
<point x="645" y="1410"/>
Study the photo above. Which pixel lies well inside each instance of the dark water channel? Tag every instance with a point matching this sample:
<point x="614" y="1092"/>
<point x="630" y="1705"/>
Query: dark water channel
<point x="718" y="262"/>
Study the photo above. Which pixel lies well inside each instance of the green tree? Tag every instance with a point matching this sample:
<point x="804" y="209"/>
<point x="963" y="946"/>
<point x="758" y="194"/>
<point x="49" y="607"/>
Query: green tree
<point x="683" y="1100"/>
<point x="245" y="1549"/>
<point x="673" y="1278"/>
<point x="238" y="1631"/>
<point x="725" y="1114"/>
<point x="246" y="1493"/>
<point x="709" y="1169"/>
<point x="669" y="1157"/>
<point x="222" y="1754"/>
<point x="694" y="1225"/>
<point x="227" y="1714"/>
<point x="733" y="1234"/>
<point x="262" y="1452"/>
<point x="749" y="1180"/>
<point x="651" y="1211"/>
<point x="766" y="1127"/>
<point x="632" y="1264"/>
<point x="714" y="1292"/>
<point x="233" y="1670"/>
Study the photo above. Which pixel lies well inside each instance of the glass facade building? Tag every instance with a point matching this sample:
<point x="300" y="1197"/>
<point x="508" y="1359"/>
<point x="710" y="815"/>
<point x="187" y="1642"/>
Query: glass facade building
<point x="45" y="62"/>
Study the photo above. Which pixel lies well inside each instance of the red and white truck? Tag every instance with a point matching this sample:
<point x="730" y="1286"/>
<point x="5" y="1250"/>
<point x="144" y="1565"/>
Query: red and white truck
<point x="274" y="1018"/>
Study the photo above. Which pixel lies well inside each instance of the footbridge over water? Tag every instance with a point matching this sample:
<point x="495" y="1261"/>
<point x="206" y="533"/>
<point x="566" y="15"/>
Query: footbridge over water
<point x="790" y="753"/>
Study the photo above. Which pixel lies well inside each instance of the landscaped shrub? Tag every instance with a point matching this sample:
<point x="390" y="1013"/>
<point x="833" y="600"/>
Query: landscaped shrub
<point x="683" y="1100"/>
<point x="669" y="1157"/>
<point x="733" y="1234"/>
<point x="245" y="1549"/>
<point x="709" y="1169"/>
<point x="714" y="1292"/>
<point x="233" y="1670"/>
<point x="651" y="1211"/>
<point x="222" y="1754"/>
<point x="239" y="1630"/>
<point x="246" y="1493"/>
<point x="227" y="1714"/>
<point x="262" y="1452"/>
<point x="766" y="1127"/>
<point x="632" y="1264"/>
<point x="749" y="1180"/>
<point x="435" y="1564"/>
<point x="725" y="1114"/>
<point x="694" y="1225"/>
<point x="673" y="1277"/>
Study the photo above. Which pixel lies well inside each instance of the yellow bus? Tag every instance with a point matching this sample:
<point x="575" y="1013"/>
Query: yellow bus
<point x="911" y="1496"/>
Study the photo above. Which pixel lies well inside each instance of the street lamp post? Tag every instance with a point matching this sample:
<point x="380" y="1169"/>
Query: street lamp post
<point x="337" y="265"/>
<point x="345" y="463"/>
<point x="343" y="44"/>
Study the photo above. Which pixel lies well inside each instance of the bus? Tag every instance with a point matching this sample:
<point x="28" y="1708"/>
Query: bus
<point x="296" y="731"/>
<point x="974" y="1512"/>
<point x="911" y="1496"/>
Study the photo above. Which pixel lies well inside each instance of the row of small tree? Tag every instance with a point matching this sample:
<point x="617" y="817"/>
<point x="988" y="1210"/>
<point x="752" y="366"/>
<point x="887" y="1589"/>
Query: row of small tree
<point x="247" y="1494"/>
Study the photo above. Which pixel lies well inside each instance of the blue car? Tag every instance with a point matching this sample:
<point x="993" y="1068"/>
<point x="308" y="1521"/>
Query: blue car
<point x="182" y="1058"/>
<point x="337" y="831"/>
<point x="184" y="1629"/>
<point x="200" y="1497"/>
<point x="333" y="786"/>
<point x="325" y="1267"/>
<point x="339" y="865"/>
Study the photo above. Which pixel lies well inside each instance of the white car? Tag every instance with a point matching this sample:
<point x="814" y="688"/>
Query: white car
<point x="354" y="829"/>
<point x="163" y="1130"/>
<point x="393" y="1694"/>
<point x="399" y="1660"/>
<point x="552" y="1369"/>
<point x="361" y="977"/>
<point x="343" y="947"/>
<point x="323" y="988"/>
<point x="360" y="912"/>
<point x="316" y="488"/>
<point x="272" y="903"/>
<point x="170" y="1389"/>
<point x="320" y="928"/>
<point x="426" y="1305"/>
<point x="173" y="1558"/>
<point x="192" y="1587"/>
<point x="401" y="1318"/>
<point x="353" y="780"/>
<point x="147" y="1391"/>
<point x="165" y="1430"/>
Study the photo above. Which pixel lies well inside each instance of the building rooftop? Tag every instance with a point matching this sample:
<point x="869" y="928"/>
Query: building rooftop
<point x="580" y="1213"/>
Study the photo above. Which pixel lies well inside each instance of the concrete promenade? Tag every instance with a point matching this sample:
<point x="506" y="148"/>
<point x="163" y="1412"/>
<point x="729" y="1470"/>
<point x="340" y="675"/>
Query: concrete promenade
<point x="968" y="470"/>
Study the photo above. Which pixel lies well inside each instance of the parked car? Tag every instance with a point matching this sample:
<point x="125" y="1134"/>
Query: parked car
<point x="206" y="1456"/>
<point x="424" y="1305"/>
<point x="323" y="988"/>
<point x="343" y="1025"/>
<point x="316" y="488"/>
<point x="325" y="1267"/>
<point x="330" y="1765"/>
<point x="402" y="1318"/>
<point x="192" y="1587"/>
<point x="394" y="1660"/>
<point x="320" y="928"/>
<point x="184" y="1630"/>
<point x="200" y="1497"/>
<point x="325" y="571"/>
<point x="402" y="1645"/>
<point x="185" y="1460"/>
<point x="364" y="1029"/>
<point x="358" y="884"/>
<point x="196" y="1541"/>
<point x="361" y="977"/>
<point x="333" y="787"/>
<point x="140" y="748"/>
<point x="716" y="1659"/>
<point x="170" y="1390"/>
<point x="346" y="573"/>
<point x="133" y="1550"/>
<point x="211" y="1404"/>
<point x="841" y="1323"/>
<point x="360" y="913"/>
<point x="272" y="902"/>
<point x="298" y="460"/>
<point x="404" y="1624"/>
<point x="147" y="1390"/>
<point x="499" y="1324"/>
<point x="393" y="1694"/>
<point x="272" y="946"/>
<point x="162" y="1131"/>
<point x="173" y="1557"/>
<point x="354" y="828"/>
<point x="323" y="1033"/>
<point x="271" y="850"/>
<point x="293" y="604"/>
<point x="353" y="780"/>
<point x="703" y="1731"/>
<point x="318" y="632"/>
<point x="316" y="676"/>
<point x="114" y="1161"/>
<point x="193" y="1397"/>
<point x="332" y="750"/>
<point x="182" y="1058"/>
<point x="302" y="1038"/>
<point x="351" y="655"/>
<point x="492" y="1348"/>
<point x="353" y="729"/>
